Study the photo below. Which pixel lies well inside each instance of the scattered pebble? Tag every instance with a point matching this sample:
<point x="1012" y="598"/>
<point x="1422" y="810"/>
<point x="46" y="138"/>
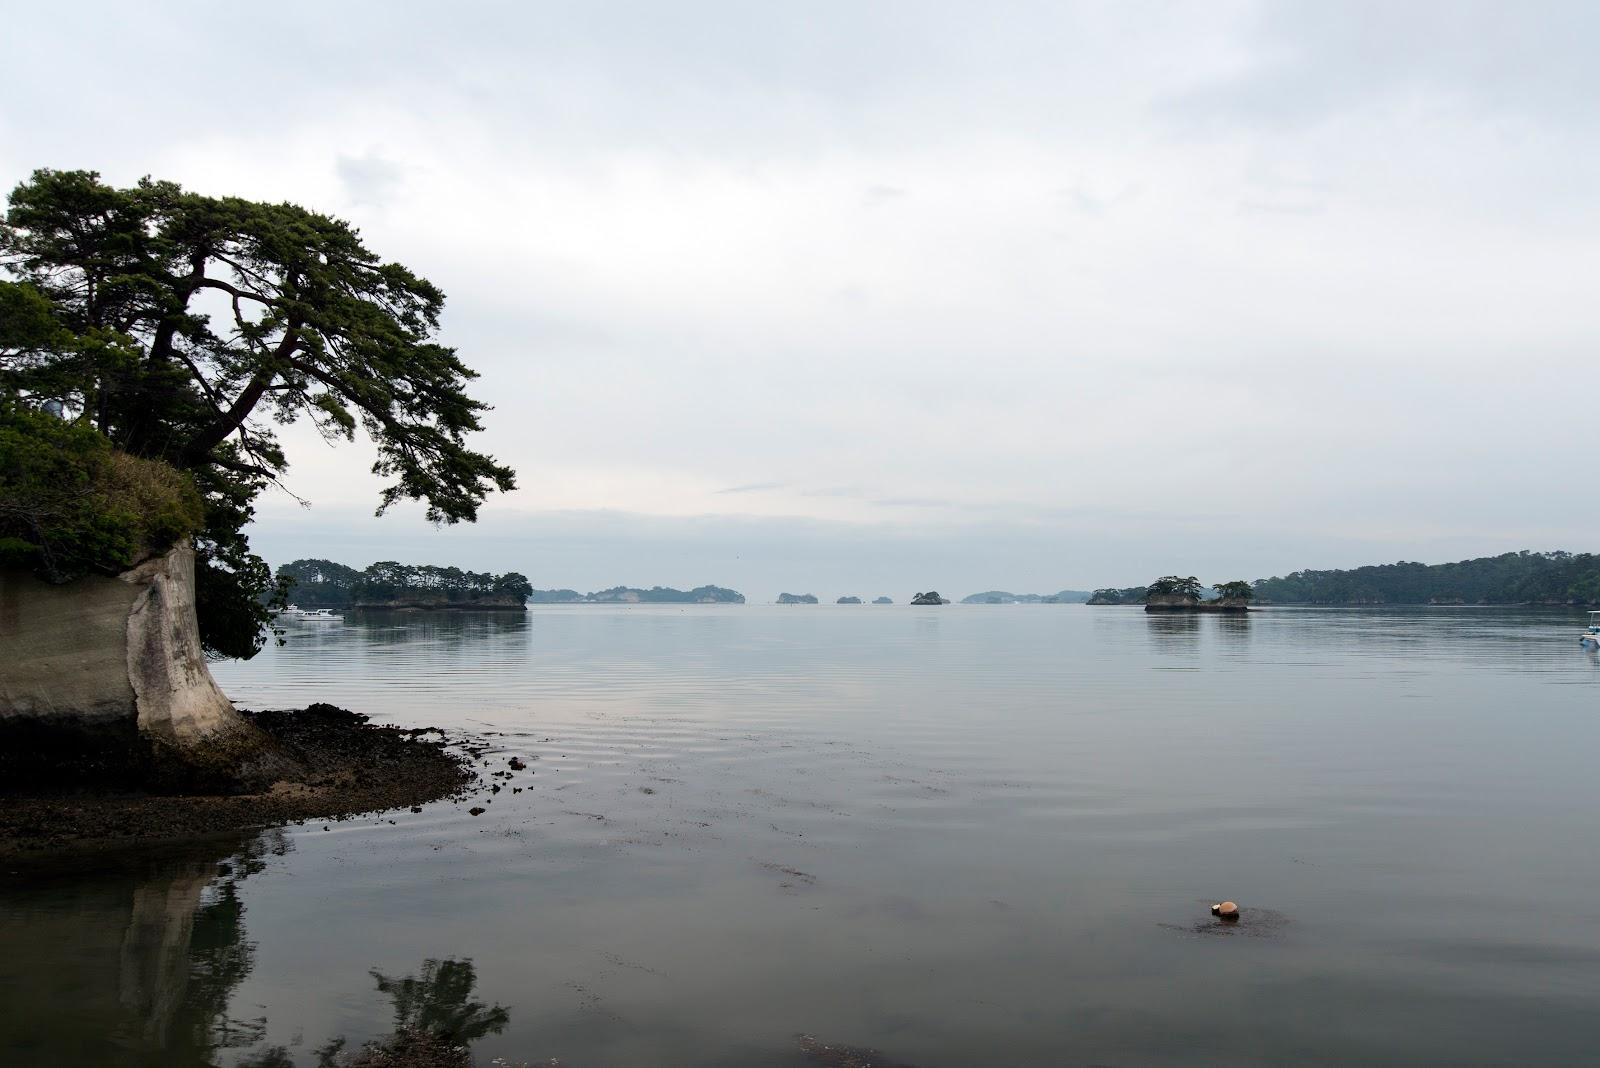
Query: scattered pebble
<point x="836" y="1056"/>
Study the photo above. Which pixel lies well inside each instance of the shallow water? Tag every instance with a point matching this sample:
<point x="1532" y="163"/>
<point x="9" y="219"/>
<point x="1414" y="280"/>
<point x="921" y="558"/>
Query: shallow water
<point x="967" y="835"/>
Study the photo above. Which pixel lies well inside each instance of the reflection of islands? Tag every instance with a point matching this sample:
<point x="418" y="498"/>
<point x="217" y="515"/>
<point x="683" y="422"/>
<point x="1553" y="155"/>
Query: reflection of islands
<point x="931" y="597"/>
<point x="882" y="600"/>
<point x="634" y="595"/>
<point x="797" y="598"/>
<point x="1002" y="597"/>
<point x="848" y="600"/>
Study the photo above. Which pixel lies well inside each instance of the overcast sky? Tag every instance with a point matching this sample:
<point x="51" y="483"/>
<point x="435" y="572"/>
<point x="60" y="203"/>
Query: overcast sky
<point x="867" y="298"/>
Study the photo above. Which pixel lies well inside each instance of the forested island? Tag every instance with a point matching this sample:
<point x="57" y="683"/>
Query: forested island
<point x="1511" y="578"/>
<point x="388" y="584"/>
<point x="1179" y="593"/>
<point x="797" y="598"/>
<point x="1002" y="597"/>
<point x="326" y="584"/>
<point x="635" y="595"/>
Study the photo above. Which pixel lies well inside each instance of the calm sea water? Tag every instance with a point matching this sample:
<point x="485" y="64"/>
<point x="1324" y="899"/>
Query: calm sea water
<point x="960" y="835"/>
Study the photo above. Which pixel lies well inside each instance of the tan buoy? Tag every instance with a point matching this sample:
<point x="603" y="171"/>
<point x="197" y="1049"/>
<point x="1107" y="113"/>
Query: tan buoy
<point x="1225" y="910"/>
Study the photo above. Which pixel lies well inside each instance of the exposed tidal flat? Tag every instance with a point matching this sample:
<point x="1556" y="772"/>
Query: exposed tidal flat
<point x="983" y="835"/>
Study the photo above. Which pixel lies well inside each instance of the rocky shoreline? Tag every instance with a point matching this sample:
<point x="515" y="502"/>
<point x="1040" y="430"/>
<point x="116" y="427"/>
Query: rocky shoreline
<point x="1172" y="602"/>
<point x="345" y="767"/>
<point x="1202" y="606"/>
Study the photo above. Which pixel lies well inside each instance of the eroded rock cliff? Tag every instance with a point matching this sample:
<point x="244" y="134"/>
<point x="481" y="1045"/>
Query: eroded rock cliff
<point x="107" y="676"/>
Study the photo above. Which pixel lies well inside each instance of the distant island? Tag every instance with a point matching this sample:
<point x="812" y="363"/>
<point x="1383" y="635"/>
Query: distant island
<point x="1176" y="593"/>
<point x="1002" y="597"/>
<point x="797" y="598"/>
<point x="388" y="584"/>
<point x="327" y="584"/>
<point x="848" y="600"/>
<point x="635" y="595"/>
<point x="931" y="597"/>
<point x="882" y="600"/>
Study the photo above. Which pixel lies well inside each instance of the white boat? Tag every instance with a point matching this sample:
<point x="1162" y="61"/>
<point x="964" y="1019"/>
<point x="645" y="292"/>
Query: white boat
<point x="311" y="615"/>
<point x="1591" y="636"/>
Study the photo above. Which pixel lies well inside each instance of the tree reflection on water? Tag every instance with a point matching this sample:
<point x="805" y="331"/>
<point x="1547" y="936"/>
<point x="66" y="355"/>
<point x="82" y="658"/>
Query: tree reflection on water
<point x="129" y="958"/>
<point x="133" y="958"/>
<point x="436" y="1021"/>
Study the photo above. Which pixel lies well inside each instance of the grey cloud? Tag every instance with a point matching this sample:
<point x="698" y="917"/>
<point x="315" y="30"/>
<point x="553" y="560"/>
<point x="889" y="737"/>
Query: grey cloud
<point x="1091" y="202"/>
<point x="1311" y="61"/>
<point x="369" y="179"/>
<point x="876" y="196"/>
<point x="912" y="502"/>
<point x="854" y="492"/>
<point x="753" y="487"/>
<point x="1282" y="207"/>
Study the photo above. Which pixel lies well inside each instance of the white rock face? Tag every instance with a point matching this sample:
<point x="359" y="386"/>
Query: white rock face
<point x="116" y="660"/>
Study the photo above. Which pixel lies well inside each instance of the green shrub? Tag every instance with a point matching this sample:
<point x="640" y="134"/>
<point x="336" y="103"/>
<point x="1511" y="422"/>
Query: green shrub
<point x="71" y="504"/>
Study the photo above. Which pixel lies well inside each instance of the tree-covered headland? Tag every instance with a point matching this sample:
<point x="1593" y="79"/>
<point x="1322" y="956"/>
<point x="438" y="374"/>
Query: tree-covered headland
<point x="1115" y="595"/>
<point x="151" y="339"/>
<point x="1551" y="578"/>
<point x="326" y="584"/>
<point x="1510" y="578"/>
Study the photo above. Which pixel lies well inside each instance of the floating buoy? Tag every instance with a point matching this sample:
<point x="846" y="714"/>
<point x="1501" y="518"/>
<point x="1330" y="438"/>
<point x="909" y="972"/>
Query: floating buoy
<point x="1225" y="910"/>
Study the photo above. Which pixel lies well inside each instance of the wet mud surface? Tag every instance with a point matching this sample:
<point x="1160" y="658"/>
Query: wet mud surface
<point x="352" y="767"/>
<point x="837" y="1056"/>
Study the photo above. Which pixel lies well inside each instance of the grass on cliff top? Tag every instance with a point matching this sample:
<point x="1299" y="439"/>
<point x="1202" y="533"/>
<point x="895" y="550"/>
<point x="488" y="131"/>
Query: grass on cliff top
<point x="72" y="504"/>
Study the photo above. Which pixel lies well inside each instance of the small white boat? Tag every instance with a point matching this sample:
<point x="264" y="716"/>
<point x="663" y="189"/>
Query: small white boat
<point x="1591" y="636"/>
<point x="311" y="615"/>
